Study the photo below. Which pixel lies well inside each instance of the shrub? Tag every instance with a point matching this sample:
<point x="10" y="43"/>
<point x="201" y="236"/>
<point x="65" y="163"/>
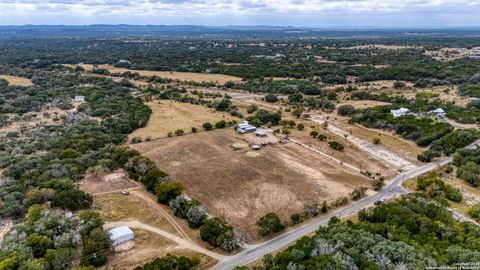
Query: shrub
<point x="346" y="110"/>
<point x="221" y="124"/>
<point x="271" y="98"/>
<point x="216" y="232"/>
<point x="136" y="140"/>
<point x="378" y="184"/>
<point x="376" y="140"/>
<point x="300" y="126"/>
<point x="268" y="224"/>
<point x="194" y="130"/>
<point x="179" y="132"/>
<point x="358" y="193"/>
<point x="207" y="126"/>
<point x="314" y="133"/>
<point x="336" y="145"/>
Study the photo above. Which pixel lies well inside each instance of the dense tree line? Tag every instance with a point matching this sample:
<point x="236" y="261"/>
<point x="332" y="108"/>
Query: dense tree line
<point x="409" y="233"/>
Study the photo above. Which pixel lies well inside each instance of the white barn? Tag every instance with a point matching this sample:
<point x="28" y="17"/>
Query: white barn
<point x="120" y="235"/>
<point x="79" y="98"/>
<point x="400" y="112"/>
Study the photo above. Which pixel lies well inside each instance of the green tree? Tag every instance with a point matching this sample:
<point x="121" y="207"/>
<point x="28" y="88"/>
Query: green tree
<point x="168" y="190"/>
<point x="207" y="126"/>
<point x="268" y="224"/>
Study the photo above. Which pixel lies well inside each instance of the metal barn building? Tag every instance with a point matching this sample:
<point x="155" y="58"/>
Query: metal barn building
<point x="120" y="235"/>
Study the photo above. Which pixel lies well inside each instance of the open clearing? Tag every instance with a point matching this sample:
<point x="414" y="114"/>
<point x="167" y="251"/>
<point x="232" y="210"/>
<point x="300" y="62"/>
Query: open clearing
<point x="146" y="247"/>
<point x="14" y="80"/>
<point x="169" y="116"/>
<point x="181" y="76"/>
<point x="242" y="185"/>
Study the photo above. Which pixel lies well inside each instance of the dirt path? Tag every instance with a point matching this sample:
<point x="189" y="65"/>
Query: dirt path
<point x="374" y="150"/>
<point x="116" y="191"/>
<point x="167" y="216"/>
<point x="180" y="241"/>
<point x="5" y="227"/>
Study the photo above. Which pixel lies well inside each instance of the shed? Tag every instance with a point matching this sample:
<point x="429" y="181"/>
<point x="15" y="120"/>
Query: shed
<point x="260" y="133"/>
<point x="245" y="127"/>
<point x="120" y="235"/>
<point x="439" y="112"/>
<point x="79" y="98"/>
<point x="400" y="112"/>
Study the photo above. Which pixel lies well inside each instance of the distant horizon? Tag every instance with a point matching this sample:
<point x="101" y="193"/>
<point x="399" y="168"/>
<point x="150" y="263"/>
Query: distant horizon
<point x="347" y="27"/>
<point x="298" y="13"/>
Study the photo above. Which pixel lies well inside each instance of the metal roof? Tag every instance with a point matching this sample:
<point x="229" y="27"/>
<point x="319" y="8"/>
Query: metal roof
<point x="119" y="232"/>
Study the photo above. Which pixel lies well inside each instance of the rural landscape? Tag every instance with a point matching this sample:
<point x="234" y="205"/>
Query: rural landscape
<point x="157" y="147"/>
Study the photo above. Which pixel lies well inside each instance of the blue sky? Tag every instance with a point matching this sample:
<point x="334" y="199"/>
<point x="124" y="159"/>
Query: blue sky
<point x="315" y="13"/>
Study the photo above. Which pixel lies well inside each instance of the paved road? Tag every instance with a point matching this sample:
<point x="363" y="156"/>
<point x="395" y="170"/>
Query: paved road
<point x="255" y="252"/>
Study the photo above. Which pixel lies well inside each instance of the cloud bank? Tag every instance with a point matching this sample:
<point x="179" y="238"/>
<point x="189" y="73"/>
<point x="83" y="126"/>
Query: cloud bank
<point x="389" y="13"/>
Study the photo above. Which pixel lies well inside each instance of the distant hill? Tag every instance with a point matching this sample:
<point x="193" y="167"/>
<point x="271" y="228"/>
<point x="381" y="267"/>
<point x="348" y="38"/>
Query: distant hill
<point x="218" y="31"/>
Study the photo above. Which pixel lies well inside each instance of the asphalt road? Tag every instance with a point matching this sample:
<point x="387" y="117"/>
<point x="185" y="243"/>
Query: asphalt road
<point x="254" y="252"/>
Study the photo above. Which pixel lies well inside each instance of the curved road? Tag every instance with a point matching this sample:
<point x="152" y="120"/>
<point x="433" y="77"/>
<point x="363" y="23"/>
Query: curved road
<point x="255" y="252"/>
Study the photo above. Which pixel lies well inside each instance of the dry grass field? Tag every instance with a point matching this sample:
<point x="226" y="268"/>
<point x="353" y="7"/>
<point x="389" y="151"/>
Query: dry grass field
<point x="147" y="247"/>
<point x="14" y="80"/>
<point x="169" y="116"/>
<point x="181" y="76"/>
<point x="242" y="185"/>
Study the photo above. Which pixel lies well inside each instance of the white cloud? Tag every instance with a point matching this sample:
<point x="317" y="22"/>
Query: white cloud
<point x="236" y="11"/>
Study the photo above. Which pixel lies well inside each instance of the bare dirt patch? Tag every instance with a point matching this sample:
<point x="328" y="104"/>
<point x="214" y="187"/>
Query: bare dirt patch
<point x="146" y="247"/>
<point x="241" y="186"/>
<point x="181" y="76"/>
<point x="116" y="206"/>
<point x="14" y="80"/>
<point x="100" y="182"/>
<point x="169" y="116"/>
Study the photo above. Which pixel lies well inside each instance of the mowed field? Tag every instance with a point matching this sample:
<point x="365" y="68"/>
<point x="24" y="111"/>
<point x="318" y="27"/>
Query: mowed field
<point x="14" y="80"/>
<point x="181" y="76"/>
<point x="241" y="185"/>
<point x="169" y="116"/>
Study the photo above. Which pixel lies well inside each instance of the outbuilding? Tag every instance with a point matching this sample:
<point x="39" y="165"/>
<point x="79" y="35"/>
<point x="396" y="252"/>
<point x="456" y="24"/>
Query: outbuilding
<point x="245" y="127"/>
<point x="79" y="98"/>
<point x="260" y="133"/>
<point x="400" y="112"/>
<point x="120" y="235"/>
<point x="439" y="112"/>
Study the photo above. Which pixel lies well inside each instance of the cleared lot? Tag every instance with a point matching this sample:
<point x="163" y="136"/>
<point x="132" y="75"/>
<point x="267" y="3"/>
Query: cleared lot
<point x="243" y="185"/>
<point x="169" y="116"/>
<point x="181" y="76"/>
<point x="14" y="80"/>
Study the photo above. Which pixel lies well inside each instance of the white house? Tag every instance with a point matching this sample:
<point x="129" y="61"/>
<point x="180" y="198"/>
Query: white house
<point x="245" y="127"/>
<point x="439" y="112"/>
<point x="400" y="112"/>
<point x="120" y="235"/>
<point x="79" y="98"/>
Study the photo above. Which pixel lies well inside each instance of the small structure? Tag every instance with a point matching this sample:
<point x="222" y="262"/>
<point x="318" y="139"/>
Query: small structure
<point x="400" y="112"/>
<point x="255" y="147"/>
<point x="473" y="98"/>
<point x="68" y="215"/>
<point x="260" y="133"/>
<point x="438" y="112"/>
<point x="120" y="235"/>
<point x="79" y="98"/>
<point x="245" y="127"/>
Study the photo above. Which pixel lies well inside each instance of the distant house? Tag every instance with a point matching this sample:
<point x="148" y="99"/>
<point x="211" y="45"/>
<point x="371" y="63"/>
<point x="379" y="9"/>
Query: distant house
<point x="120" y="235"/>
<point x="255" y="147"/>
<point x="79" y="98"/>
<point x="438" y="112"/>
<point x="260" y="133"/>
<point x="400" y="112"/>
<point x="245" y="127"/>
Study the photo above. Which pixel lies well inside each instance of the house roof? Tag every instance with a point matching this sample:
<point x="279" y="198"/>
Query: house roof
<point x="119" y="232"/>
<point x="260" y="132"/>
